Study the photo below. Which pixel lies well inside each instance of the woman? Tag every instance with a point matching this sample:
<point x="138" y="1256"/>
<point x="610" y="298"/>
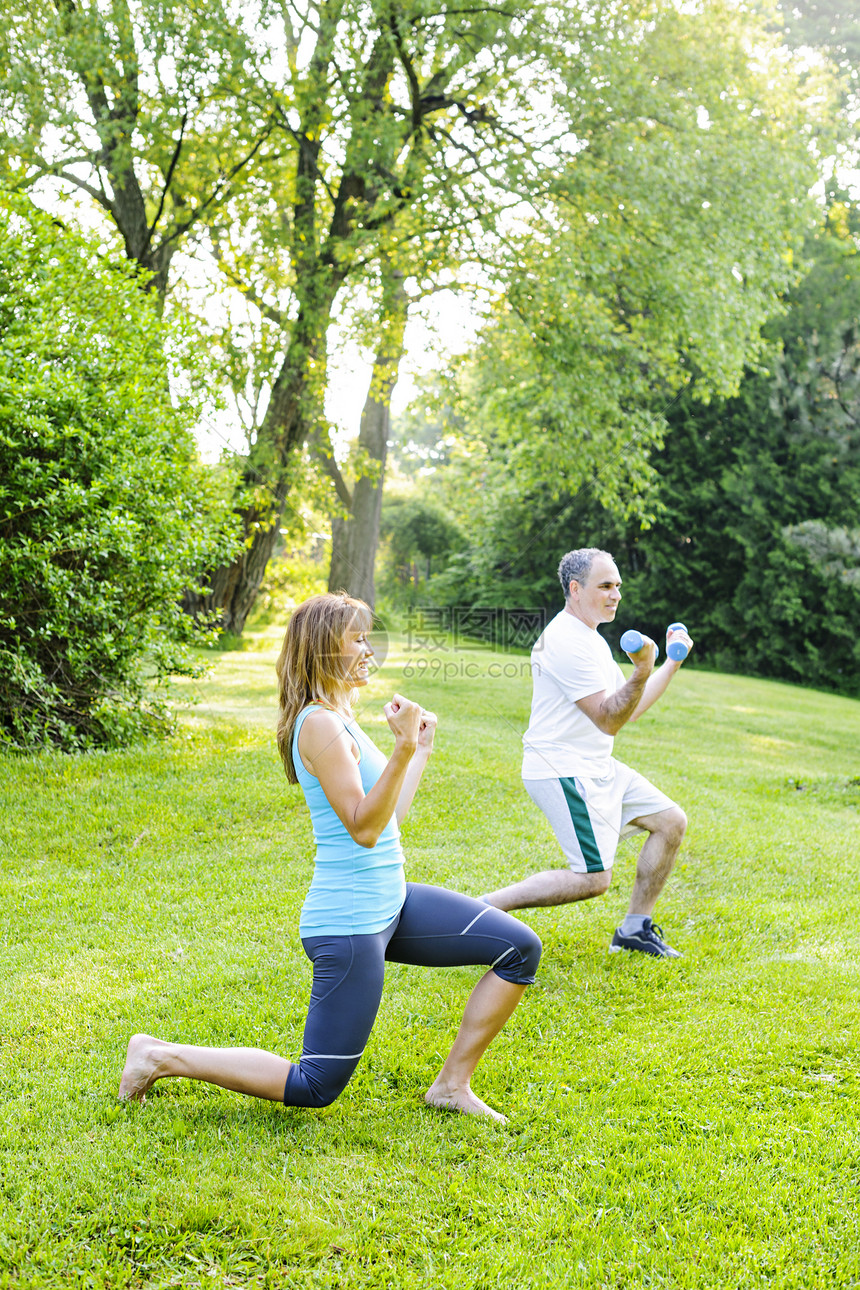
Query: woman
<point x="359" y="912"/>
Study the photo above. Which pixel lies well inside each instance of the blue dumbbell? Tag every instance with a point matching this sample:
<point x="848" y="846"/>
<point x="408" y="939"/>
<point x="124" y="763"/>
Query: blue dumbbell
<point x="632" y="640"/>
<point x="677" y="649"/>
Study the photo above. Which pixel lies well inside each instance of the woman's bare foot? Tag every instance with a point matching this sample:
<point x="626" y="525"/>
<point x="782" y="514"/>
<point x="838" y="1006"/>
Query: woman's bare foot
<point x="141" y="1067"/>
<point x="460" y="1099"/>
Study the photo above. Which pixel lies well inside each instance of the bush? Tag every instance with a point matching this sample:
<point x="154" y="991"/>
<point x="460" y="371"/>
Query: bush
<point x="739" y="552"/>
<point x="106" y="515"/>
<point x="415" y="529"/>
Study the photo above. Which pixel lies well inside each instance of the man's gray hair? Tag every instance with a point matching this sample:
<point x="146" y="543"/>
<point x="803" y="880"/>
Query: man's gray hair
<point x="576" y="566"/>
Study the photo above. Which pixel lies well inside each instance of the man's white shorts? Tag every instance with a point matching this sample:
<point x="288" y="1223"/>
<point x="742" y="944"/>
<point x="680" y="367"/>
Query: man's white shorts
<point x="590" y="816"/>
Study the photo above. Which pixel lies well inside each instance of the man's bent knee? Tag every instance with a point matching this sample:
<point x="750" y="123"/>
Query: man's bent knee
<point x="595" y="884"/>
<point x="676" y="825"/>
<point x="670" y="824"/>
<point x="602" y="881"/>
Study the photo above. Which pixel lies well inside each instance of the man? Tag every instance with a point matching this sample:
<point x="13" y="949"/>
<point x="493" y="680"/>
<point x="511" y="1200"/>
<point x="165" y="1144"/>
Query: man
<point x="580" y="702"/>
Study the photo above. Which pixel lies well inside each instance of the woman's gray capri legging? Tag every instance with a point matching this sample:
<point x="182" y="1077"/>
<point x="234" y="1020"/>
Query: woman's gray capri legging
<point x="435" y="928"/>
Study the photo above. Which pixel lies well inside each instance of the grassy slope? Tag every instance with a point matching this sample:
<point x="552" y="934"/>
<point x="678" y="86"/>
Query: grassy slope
<point x="687" y="1124"/>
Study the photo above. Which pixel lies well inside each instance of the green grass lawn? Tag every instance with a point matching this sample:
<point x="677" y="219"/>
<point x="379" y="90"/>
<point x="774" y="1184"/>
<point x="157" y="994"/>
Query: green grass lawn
<point x="671" y="1124"/>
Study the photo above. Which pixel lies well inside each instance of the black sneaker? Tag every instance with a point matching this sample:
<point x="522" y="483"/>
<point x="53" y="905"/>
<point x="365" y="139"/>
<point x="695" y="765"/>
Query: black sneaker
<point x="648" y="941"/>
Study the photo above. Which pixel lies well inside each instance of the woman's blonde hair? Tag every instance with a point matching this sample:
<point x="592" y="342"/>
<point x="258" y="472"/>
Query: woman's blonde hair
<point x="311" y="666"/>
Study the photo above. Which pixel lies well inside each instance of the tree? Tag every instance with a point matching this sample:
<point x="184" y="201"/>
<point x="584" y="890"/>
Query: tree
<point x="662" y="249"/>
<point x="834" y="551"/>
<point x="659" y="247"/>
<point x="105" y="512"/>
<point x="355" y="535"/>
<point x="400" y="120"/>
<point x="352" y="113"/>
<point x="755" y="546"/>
<point x="145" y="107"/>
<point x="831" y="26"/>
<point x="376" y="132"/>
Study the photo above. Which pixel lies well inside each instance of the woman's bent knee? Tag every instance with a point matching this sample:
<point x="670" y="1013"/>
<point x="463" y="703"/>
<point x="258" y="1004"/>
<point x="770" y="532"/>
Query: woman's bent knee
<point x="520" y="964"/>
<point x="531" y="953"/>
<point x="316" y="1088"/>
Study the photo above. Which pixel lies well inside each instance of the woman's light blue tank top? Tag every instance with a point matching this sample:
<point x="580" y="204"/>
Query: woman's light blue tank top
<point x="355" y="889"/>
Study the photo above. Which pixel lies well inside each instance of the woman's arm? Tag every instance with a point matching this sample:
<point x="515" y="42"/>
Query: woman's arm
<point x="326" y="749"/>
<point x="417" y="765"/>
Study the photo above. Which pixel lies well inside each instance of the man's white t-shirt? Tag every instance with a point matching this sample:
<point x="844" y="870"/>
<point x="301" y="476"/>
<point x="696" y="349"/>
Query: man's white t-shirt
<point x="569" y="661"/>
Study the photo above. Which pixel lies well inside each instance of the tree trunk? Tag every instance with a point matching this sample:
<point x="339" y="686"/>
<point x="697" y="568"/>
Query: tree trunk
<point x="233" y="588"/>
<point x="355" y="537"/>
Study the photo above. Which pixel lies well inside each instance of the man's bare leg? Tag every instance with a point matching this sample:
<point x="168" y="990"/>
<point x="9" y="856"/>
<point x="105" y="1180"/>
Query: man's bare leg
<point x="657" y="857"/>
<point x="490" y="1004"/>
<point x="553" y="887"/>
<point x="243" y="1070"/>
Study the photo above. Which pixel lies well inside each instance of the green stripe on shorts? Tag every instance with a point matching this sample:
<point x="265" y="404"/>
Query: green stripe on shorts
<point x="581" y="822"/>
